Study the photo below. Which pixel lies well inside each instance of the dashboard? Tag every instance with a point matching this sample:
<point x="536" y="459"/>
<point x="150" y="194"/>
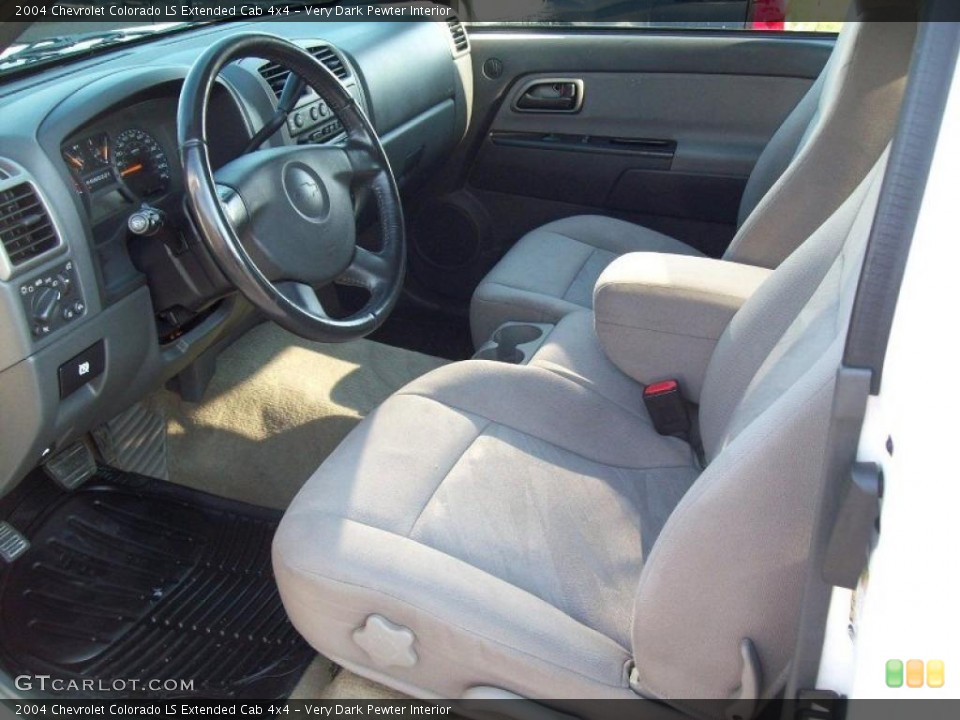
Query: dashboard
<point x="107" y="291"/>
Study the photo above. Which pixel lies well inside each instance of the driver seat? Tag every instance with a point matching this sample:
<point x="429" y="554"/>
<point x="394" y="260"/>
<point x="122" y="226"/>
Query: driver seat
<point x="498" y="526"/>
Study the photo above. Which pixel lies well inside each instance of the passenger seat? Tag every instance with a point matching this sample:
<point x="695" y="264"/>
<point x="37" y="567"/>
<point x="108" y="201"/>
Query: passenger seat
<point x="812" y="163"/>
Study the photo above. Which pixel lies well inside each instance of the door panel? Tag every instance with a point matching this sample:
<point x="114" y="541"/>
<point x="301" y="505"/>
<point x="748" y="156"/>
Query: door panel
<point x="720" y="123"/>
<point x="667" y="128"/>
<point x="672" y="145"/>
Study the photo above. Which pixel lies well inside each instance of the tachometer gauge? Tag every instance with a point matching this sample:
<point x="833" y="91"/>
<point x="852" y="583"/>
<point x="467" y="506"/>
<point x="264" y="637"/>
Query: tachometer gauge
<point x="141" y="163"/>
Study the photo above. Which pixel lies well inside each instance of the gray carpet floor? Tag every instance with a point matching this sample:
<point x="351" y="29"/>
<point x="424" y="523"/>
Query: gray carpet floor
<point x="276" y="407"/>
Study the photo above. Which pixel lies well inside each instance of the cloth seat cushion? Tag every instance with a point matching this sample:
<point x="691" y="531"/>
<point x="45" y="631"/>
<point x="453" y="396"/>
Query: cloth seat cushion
<point x="512" y="549"/>
<point x="573" y="350"/>
<point x="552" y="270"/>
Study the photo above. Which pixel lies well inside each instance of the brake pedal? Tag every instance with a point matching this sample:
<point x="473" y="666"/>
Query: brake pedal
<point x="72" y="467"/>
<point x="13" y="543"/>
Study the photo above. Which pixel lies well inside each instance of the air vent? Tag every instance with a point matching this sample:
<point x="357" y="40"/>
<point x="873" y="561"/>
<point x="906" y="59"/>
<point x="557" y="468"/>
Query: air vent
<point x="276" y="76"/>
<point x="25" y="227"/>
<point x="459" y="35"/>
<point x="331" y="60"/>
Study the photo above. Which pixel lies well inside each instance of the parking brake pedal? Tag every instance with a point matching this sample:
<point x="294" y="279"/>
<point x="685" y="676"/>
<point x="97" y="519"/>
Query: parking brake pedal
<point x="12" y="543"/>
<point x="72" y="467"/>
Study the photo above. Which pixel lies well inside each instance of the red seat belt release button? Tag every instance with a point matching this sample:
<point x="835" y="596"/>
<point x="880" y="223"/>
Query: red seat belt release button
<point x="666" y="407"/>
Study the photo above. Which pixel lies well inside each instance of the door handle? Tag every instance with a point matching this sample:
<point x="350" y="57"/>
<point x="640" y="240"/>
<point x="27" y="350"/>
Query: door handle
<point x="559" y="95"/>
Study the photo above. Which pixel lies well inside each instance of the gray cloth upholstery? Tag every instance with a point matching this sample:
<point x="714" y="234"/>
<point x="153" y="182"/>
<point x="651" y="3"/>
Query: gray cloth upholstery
<point x="660" y="316"/>
<point x="848" y="118"/>
<point x="477" y="508"/>
<point x="531" y="533"/>
<point x="523" y="530"/>
<point x="573" y="351"/>
<point x="552" y="270"/>
<point x="733" y="554"/>
<point x="813" y="162"/>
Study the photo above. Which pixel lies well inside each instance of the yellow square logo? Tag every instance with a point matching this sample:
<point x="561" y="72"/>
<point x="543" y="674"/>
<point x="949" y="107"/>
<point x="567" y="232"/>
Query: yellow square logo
<point x="935" y="673"/>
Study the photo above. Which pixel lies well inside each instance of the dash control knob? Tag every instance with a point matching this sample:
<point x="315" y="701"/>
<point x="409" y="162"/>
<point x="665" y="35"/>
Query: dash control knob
<point x="45" y="304"/>
<point x="65" y="283"/>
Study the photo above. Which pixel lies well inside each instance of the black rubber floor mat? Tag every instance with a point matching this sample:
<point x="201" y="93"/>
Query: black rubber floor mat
<point x="131" y="578"/>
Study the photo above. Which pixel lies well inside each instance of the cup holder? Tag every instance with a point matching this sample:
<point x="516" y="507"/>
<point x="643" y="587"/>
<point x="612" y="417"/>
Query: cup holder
<point x="514" y="343"/>
<point x="514" y="335"/>
<point x="513" y="355"/>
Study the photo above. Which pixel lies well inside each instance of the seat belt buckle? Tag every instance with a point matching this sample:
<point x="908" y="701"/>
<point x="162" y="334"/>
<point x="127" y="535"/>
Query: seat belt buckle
<point x="667" y="408"/>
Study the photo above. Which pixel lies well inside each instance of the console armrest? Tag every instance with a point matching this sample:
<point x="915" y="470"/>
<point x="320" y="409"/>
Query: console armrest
<point x="659" y="316"/>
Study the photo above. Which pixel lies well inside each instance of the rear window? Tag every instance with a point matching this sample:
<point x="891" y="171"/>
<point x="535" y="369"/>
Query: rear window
<point x="771" y="15"/>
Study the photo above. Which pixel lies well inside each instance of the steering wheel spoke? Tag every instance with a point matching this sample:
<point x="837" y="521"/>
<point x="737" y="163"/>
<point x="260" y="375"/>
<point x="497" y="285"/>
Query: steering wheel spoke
<point x="303" y="296"/>
<point x="368" y="270"/>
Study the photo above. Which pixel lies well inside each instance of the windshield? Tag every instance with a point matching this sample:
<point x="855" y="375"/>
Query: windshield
<point x="57" y="34"/>
<point x="48" y="42"/>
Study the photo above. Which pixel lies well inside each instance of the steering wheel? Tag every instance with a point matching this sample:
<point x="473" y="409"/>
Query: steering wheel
<point x="280" y="222"/>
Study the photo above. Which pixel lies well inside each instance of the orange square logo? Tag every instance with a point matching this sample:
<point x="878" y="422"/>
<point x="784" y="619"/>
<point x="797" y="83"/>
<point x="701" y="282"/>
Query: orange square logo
<point x="914" y="673"/>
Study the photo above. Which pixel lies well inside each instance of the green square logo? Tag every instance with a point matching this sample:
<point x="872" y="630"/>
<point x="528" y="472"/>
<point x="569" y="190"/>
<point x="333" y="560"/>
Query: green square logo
<point x="894" y="673"/>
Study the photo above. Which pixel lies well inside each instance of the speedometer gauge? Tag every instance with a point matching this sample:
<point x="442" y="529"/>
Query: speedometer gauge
<point x="141" y="163"/>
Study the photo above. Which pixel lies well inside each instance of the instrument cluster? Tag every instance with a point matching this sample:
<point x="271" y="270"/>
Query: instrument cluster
<point x="113" y="171"/>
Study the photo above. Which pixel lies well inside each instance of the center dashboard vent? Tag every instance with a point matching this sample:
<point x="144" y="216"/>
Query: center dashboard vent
<point x="276" y="76"/>
<point x="26" y="230"/>
<point x="459" y="35"/>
